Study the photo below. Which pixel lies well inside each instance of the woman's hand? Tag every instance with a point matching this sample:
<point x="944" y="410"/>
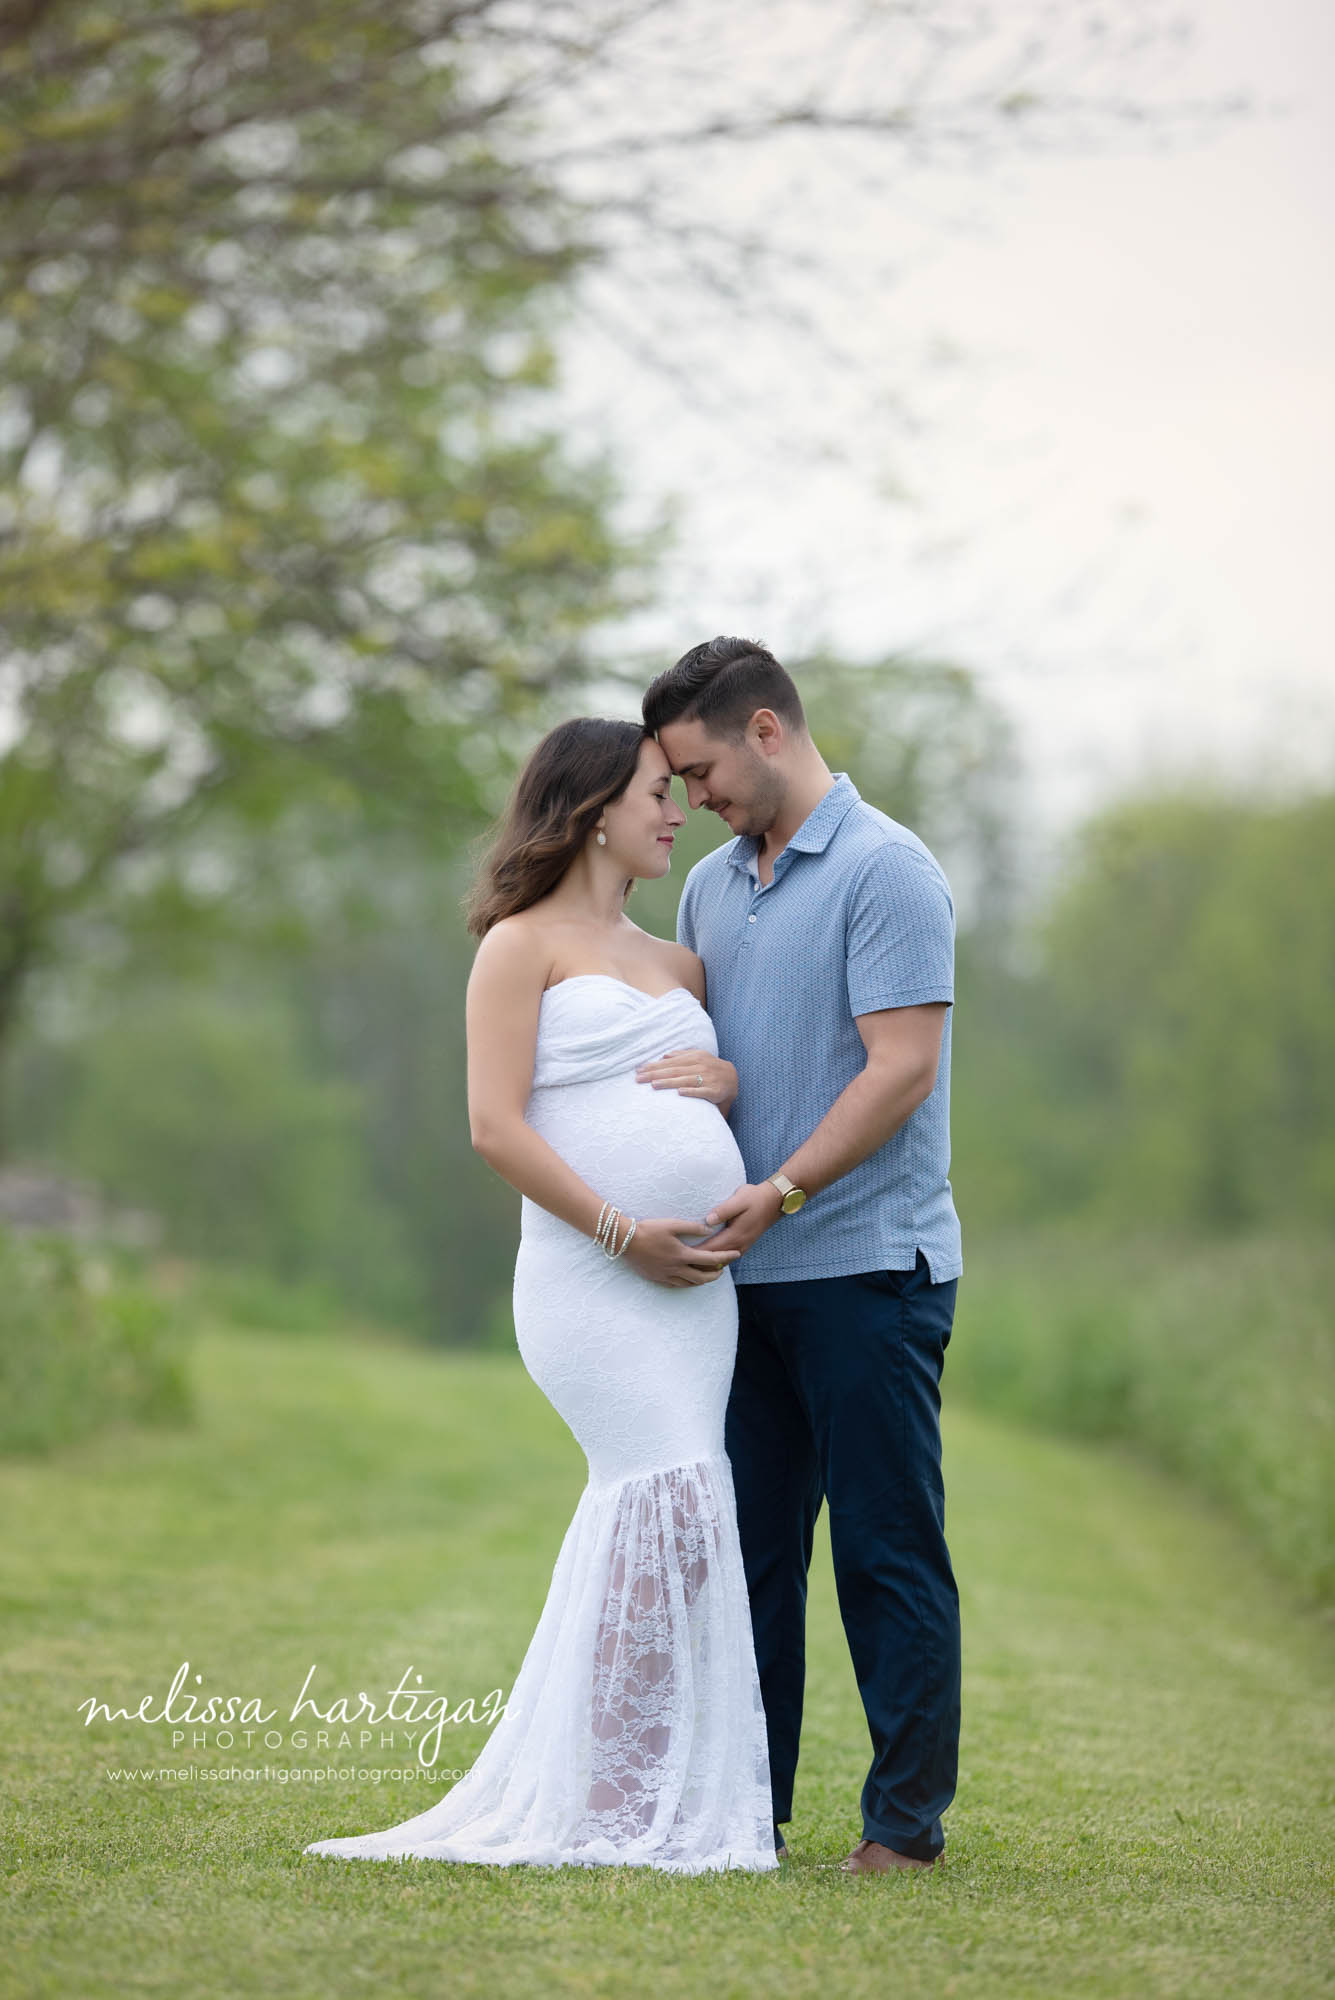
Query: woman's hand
<point x="658" y="1252"/>
<point x="693" y="1073"/>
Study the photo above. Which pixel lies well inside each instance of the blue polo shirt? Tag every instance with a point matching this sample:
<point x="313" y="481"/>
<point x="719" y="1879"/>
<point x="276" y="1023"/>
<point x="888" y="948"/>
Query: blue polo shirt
<point x="858" y="916"/>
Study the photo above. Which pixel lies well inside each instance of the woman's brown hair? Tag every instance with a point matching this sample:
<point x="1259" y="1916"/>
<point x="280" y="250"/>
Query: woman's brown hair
<point x="578" y="768"/>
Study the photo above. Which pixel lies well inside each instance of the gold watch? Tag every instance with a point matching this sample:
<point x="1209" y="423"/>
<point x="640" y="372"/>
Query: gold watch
<point x="793" y="1197"/>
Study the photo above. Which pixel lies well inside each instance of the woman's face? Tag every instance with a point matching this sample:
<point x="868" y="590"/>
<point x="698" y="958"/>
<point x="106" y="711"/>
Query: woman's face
<point x="641" y="824"/>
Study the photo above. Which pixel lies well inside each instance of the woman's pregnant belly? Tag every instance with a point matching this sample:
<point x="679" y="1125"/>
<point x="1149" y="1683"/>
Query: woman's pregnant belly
<point x="640" y="1371"/>
<point x="652" y="1152"/>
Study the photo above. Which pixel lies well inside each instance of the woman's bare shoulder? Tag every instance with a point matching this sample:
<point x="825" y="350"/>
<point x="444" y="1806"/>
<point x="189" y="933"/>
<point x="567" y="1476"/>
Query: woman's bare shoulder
<point x="688" y="968"/>
<point x="516" y="950"/>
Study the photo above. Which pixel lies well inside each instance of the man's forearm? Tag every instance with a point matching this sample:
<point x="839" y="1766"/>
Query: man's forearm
<point x="866" y="1113"/>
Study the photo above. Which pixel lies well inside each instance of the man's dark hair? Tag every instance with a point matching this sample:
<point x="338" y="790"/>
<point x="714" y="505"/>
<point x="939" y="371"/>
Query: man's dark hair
<point x="722" y="684"/>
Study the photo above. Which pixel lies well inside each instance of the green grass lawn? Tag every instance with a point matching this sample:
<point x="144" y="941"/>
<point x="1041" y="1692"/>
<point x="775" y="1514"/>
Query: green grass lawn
<point x="1145" y="1788"/>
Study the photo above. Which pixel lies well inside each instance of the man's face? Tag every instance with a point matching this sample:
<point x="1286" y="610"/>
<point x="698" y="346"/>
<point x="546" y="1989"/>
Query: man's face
<point x="734" y="780"/>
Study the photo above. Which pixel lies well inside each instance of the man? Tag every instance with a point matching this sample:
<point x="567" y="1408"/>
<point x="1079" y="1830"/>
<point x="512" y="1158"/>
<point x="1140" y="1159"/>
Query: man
<point x="827" y="934"/>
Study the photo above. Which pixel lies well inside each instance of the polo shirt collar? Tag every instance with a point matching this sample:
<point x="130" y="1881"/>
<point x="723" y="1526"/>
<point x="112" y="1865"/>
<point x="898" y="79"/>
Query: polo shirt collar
<point x="815" y="832"/>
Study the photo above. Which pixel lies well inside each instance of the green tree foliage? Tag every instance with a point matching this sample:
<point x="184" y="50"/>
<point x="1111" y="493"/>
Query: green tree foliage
<point x="279" y="515"/>
<point x="1193" y="959"/>
<point x="1172" y="1058"/>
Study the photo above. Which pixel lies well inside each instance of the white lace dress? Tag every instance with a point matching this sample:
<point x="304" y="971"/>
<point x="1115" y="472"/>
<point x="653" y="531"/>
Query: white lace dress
<point x="634" y="1732"/>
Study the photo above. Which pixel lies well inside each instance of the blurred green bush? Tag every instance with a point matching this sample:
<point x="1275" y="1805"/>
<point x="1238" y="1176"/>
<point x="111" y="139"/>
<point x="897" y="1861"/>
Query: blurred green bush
<point x="1216" y="1359"/>
<point x="86" y="1339"/>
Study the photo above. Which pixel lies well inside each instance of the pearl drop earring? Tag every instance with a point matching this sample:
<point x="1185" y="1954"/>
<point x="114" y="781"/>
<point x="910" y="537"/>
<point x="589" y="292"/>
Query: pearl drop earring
<point x="602" y="838"/>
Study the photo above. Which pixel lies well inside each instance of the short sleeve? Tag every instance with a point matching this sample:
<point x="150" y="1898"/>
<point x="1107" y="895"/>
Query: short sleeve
<point x="900" y="932"/>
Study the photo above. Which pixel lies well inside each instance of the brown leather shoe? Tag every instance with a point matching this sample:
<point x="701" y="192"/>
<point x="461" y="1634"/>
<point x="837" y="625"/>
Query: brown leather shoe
<point x="870" y="1858"/>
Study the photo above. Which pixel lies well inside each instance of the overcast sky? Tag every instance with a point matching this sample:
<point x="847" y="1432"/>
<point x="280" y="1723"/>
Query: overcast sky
<point x="1112" y="486"/>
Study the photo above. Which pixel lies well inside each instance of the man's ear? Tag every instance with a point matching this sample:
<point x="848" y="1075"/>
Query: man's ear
<point x="767" y="730"/>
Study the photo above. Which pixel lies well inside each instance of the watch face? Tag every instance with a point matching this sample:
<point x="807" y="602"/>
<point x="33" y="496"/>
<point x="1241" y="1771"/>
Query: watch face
<point x="793" y="1200"/>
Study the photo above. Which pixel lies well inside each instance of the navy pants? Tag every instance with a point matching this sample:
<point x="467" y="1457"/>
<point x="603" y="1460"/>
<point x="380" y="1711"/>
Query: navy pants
<point x="836" y="1397"/>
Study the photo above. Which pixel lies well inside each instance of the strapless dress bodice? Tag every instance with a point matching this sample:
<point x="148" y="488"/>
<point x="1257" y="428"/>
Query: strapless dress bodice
<point x="593" y="1026"/>
<point x="653" y="1152"/>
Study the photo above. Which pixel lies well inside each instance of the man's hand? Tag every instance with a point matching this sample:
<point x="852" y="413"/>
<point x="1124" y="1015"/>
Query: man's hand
<point x="748" y="1212"/>
<point x="658" y="1252"/>
<point x="679" y="1069"/>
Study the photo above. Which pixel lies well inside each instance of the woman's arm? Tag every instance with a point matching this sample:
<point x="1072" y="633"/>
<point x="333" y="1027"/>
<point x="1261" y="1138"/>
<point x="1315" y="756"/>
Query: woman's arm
<point x="501" y="1013"/>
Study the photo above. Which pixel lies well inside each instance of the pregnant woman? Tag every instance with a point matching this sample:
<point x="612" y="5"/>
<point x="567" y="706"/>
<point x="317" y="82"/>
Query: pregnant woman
<point x="634" y="1732"/>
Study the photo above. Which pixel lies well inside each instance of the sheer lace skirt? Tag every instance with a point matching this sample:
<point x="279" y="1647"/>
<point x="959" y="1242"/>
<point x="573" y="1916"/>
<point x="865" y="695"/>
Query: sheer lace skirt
<point x="634" y="1732"/>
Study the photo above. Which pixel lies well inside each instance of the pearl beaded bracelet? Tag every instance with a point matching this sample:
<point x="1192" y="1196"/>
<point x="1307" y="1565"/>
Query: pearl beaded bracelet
<point x="608" y="1218"/>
